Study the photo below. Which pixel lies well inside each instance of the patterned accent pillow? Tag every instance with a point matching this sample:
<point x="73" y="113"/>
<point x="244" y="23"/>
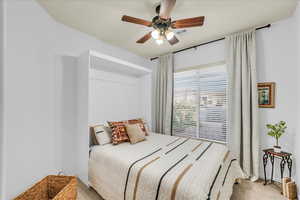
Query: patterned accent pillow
<point x="141" y="123"/>
<point x="135" y="133"/>
<point x="102" y="134"/>
<point x="119" y="133"/>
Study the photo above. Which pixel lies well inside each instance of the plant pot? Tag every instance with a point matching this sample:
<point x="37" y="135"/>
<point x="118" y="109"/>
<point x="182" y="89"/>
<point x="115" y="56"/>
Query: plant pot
<point x="277" y="149"/>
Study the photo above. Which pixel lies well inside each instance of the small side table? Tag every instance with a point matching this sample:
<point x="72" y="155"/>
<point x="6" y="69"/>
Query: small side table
<point x="285" y="159"/>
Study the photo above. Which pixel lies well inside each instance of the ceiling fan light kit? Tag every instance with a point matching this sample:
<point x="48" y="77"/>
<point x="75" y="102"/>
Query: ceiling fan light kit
<point x="155" y="34"/>
<point x="160" y="41"/>
<point x="162" y="24"/>
<point x="169" y="34"/>
<point x="160" y="35"/>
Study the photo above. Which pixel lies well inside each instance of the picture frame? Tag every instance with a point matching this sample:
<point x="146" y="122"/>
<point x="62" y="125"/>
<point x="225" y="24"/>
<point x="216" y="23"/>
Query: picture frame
<point x="266" y="94"/>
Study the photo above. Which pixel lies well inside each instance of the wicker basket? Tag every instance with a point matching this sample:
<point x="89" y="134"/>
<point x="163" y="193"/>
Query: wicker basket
<point x="52" y="187"/>
<point x="291" y="190"/>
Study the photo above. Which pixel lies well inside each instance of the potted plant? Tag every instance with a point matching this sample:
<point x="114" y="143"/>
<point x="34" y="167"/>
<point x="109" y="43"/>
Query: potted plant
<point x="276" y="131"/>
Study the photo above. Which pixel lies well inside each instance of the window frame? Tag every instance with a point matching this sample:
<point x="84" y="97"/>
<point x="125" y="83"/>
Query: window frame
<point x="199" y="67"/>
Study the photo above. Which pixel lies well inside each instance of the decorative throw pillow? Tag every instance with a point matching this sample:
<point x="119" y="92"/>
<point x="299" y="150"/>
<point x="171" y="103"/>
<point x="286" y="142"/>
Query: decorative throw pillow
<point x="135" y="133"/>
<point x="146" y="125"/>
<point x="102" y="134"/>
<point x="119" y="133"/>
<point x="141" y="123"/>
<point x="93" y="139"/>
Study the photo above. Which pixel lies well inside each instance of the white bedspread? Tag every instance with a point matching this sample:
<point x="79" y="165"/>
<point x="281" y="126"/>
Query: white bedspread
<point x="163" y="168"/>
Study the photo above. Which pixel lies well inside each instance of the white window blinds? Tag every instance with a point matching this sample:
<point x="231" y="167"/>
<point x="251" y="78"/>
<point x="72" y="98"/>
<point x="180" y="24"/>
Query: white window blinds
<point x="200" y="103"/>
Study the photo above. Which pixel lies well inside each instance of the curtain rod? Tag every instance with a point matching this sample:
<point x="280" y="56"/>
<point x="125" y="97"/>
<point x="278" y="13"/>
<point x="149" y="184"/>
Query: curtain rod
<point x="202" y="44"/>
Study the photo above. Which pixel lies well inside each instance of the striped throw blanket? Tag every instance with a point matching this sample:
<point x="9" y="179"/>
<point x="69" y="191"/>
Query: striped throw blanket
<point x="163" y="168"/>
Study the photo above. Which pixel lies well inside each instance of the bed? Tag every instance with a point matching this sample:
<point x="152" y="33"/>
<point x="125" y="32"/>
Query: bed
<point x="163" y="167"/>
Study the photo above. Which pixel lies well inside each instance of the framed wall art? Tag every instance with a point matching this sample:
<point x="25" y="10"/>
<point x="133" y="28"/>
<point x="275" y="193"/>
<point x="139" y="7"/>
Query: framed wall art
<point x="266" y="95"/>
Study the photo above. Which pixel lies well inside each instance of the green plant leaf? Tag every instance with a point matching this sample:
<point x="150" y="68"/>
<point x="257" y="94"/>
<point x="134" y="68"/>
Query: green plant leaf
<point x="277" y="130"/>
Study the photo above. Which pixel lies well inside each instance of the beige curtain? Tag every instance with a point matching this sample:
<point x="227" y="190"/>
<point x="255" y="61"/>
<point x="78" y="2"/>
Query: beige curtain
<point x="162" y="95"/>
<point x="243" y="108"/>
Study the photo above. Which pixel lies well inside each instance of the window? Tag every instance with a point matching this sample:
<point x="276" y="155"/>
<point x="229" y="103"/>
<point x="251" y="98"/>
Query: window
<point x="200" y="103"/>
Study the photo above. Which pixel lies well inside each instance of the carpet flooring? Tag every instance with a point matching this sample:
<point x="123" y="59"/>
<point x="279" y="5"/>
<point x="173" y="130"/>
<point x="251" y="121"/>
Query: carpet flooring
<point x="246" y="190"/>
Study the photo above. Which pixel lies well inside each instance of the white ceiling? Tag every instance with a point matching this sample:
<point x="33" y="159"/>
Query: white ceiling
<point x="102" y="19"/>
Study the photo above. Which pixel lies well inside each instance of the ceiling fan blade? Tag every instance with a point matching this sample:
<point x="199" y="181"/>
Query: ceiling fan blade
<point x="174" y="40"/>
<point x="134" y="20"/>
<point x="177" y="26"/>
<point x="144" y="38"/>
<point x="189" y="22"/>
<point x="166" y="8"/>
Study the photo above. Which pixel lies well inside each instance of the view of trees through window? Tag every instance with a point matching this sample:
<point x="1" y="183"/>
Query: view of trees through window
<point x="200" y="103"/>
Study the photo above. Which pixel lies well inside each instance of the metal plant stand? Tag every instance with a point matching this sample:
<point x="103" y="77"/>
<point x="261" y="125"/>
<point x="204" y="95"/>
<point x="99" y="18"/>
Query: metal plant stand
<point x="285" y="159"/>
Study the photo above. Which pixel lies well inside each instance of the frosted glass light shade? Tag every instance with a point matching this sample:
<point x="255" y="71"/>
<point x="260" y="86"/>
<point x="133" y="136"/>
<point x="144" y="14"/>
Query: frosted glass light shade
<point x="155" y="34"/>
<point x="159" y="41"/>
<point x="169" y="35"/>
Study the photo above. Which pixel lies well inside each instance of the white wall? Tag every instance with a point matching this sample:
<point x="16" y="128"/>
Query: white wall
<point x="113" y="97"/>
<point x="1" y="92"/>
<point x="211" y="53"/>
<point x="297" y="136"/>
<point x="145" y="87"/>
<point x="38" y="54"/>
<point x="276" y="62"/>
<point x="67" y="112"/>
<point x="81" y="147"/>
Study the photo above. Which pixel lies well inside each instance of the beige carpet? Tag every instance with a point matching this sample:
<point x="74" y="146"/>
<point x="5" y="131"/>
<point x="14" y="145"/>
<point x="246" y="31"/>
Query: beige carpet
<point x="243" y="191"/>
<point x="248" y="190"/>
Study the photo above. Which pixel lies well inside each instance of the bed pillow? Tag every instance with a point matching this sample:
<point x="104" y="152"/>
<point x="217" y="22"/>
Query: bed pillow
<point x="102" y="134"/>
<point x="141" y="123"/>
<point x="119" y="133"/>
<point x="146" y="125"/>
<point x="135" y="133"/>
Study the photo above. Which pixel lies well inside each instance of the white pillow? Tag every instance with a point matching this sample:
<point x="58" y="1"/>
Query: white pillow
<point x="103" y="134"/>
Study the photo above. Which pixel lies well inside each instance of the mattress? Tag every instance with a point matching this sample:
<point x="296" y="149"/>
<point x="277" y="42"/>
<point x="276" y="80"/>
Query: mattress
<point x="163" y="167"/>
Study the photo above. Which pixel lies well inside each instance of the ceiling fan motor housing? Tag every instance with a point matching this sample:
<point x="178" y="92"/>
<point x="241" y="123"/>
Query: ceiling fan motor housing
<point x="161" y="24"/>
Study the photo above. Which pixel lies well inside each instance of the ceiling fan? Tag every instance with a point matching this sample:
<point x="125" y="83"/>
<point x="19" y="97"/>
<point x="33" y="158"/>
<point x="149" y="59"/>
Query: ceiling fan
<point x="163" y="24"/>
